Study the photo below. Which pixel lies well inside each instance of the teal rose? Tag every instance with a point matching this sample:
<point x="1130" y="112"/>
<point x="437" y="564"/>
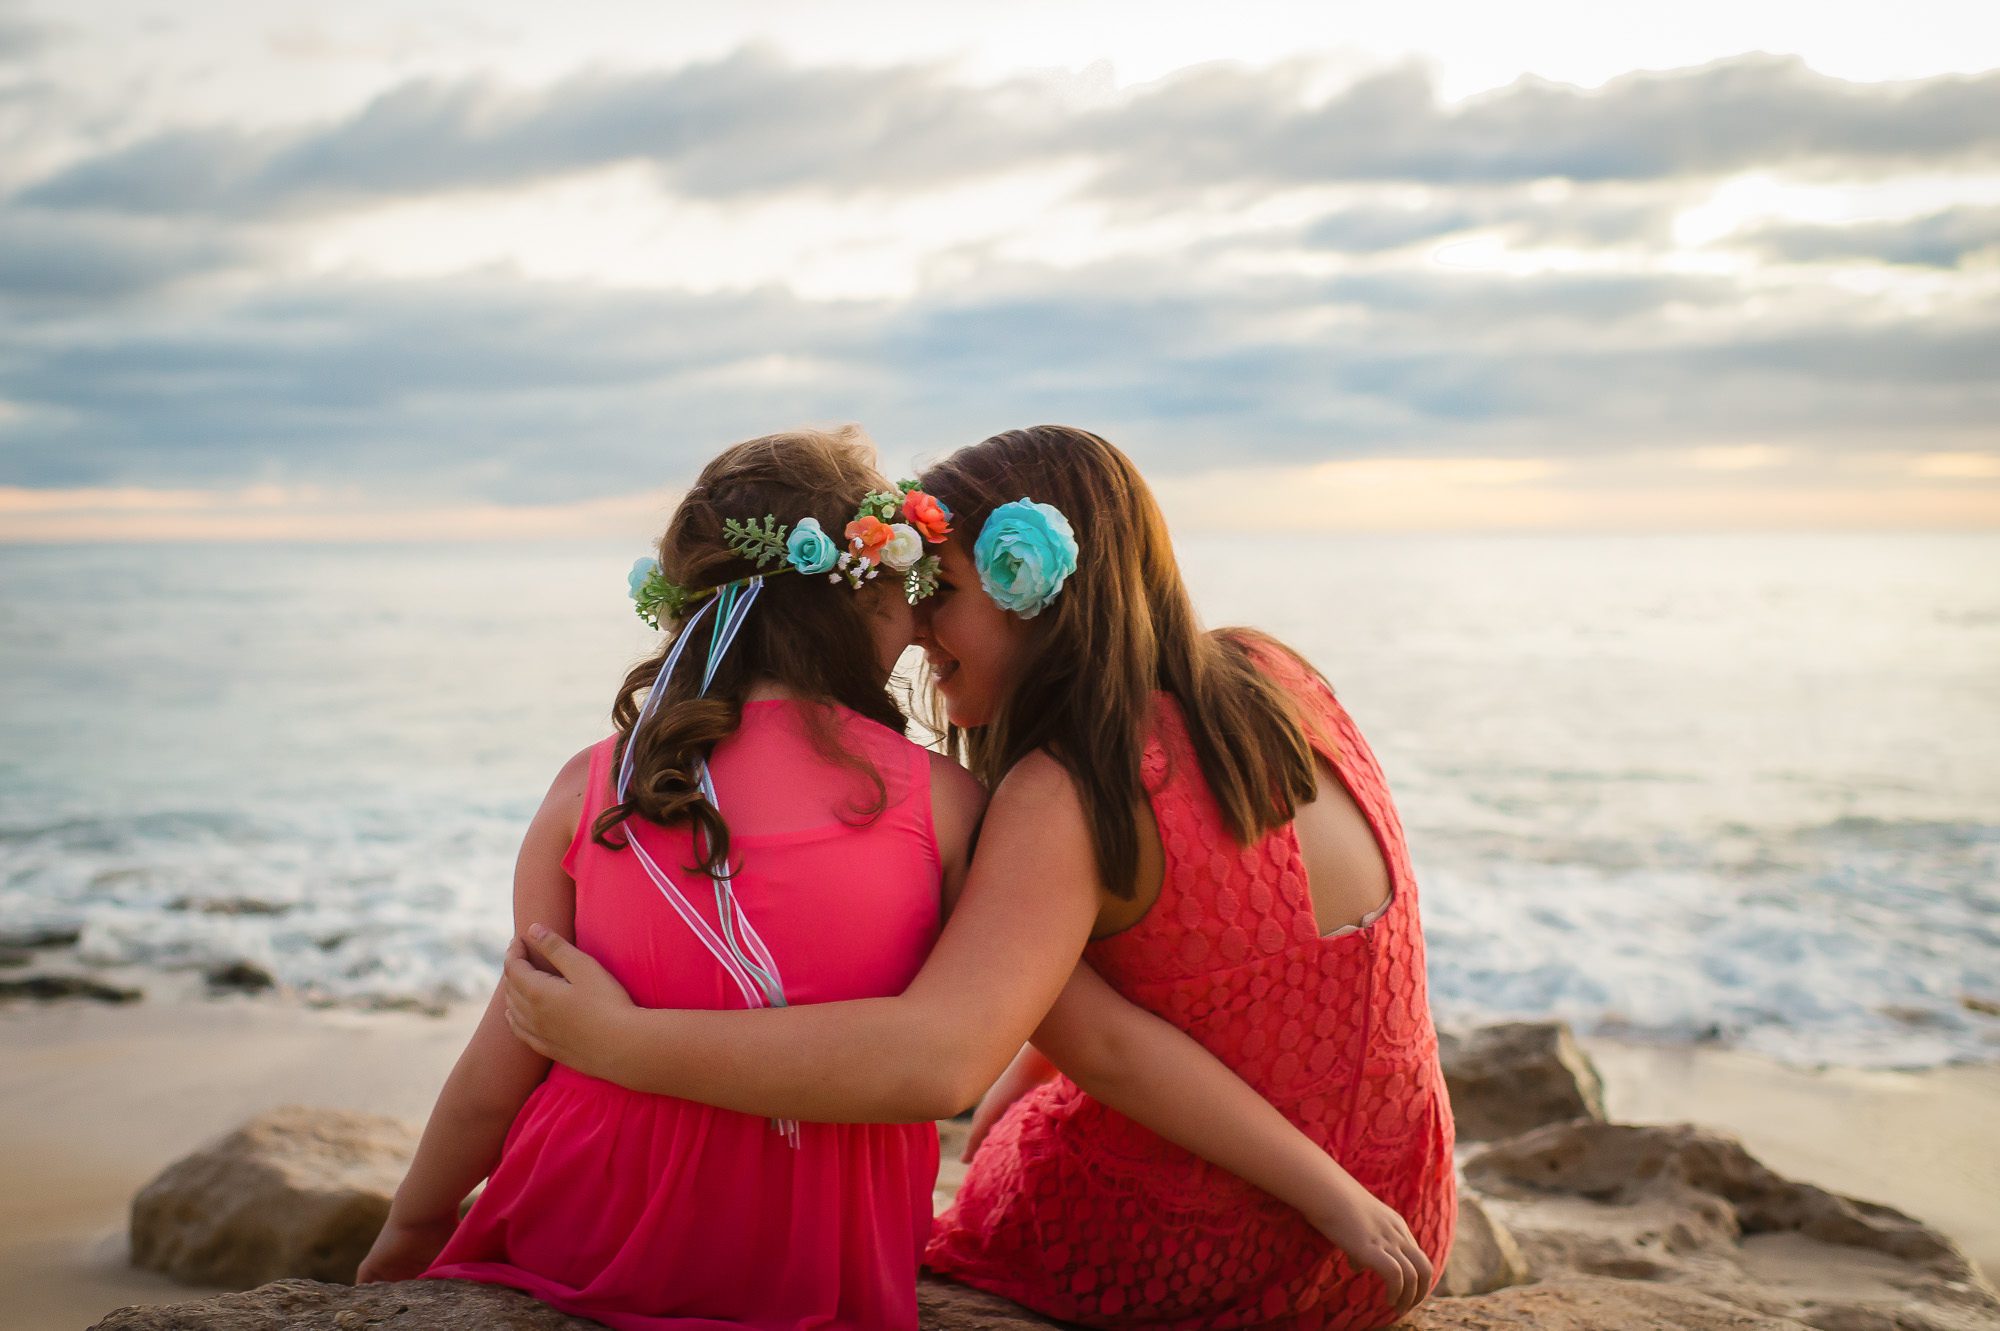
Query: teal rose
<point x="809" y="548"/>
<point x="1025" y="552"/>
<point x="642" y="569"/>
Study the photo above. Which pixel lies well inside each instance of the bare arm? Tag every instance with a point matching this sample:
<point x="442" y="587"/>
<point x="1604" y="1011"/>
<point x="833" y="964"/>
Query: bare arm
<point x="1006" y="952"/>
<point x="1007" y="966"/>
<point x="494" y="1076"/>
<point x="1154" y="1073"/>
<point x="958" y="803"/>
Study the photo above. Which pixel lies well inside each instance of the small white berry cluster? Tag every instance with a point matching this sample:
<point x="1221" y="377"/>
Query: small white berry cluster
<point x="854" y="567"/>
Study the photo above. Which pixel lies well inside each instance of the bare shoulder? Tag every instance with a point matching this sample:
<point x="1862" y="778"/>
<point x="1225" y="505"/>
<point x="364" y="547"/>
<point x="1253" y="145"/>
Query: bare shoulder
<point x="953" y="789"/>
<point x="958" y="808"/>
<point x="1272" y="655"/>
<point x="562" y="807"/>
<point x="1309" y="692"/>
<point x="573" y="780"/>
<point x="1040" y="784"/>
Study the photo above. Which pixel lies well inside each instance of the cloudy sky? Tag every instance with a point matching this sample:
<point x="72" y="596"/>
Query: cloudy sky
<point x="405" y="270"/>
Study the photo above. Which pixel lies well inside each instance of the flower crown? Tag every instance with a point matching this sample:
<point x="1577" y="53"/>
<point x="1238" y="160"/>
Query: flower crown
<point x="876" y="539"/>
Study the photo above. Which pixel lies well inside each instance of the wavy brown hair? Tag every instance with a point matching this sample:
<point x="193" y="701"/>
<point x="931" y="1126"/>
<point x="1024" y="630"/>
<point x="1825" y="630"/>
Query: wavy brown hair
<point x="804" y="633"/>
<point x="1122" y="627"/>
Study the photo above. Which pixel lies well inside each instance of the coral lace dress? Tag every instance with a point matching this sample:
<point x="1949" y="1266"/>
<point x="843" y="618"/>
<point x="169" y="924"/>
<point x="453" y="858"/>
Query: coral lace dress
<point x="1075" y="1210"/>
<point x="652" y="1213"/>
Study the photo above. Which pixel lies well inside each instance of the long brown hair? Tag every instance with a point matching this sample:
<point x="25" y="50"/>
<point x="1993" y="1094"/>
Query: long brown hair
<point x="1122" y="627"/>
<point x="804" y="633"/>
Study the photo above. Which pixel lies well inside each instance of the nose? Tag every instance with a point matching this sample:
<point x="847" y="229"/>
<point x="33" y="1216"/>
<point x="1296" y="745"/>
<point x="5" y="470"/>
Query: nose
<point x="923" y="636"/>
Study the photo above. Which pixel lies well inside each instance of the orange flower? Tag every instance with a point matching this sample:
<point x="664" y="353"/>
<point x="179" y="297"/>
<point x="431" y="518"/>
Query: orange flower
<point x="927" y="515"/>
<point x="867" y="536"/>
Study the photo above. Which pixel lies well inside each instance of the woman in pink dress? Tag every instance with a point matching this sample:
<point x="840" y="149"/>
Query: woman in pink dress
<point x="1195" y="818"/>
<point x="651" y="1213"/>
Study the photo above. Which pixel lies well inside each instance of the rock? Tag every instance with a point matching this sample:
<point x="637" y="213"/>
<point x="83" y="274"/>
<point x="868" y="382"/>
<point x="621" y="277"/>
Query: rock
<point x="228" y="906"/>
<point x="1484" y="1256"/>
<point x="51" y="987"/>
<point x="945" y="1306"/>
<point x="406" y="1305"/>
<point x="244" y="976"/>
<point x="292" y="1193"/>
<point x="61" y="936"/>
<point x="1509" y="1078"/>
<point x="1619" y="1227"/>
<point x="1685" y="1206"/>
<point x="1573" y="1303"/>
<point x="429" y="1007"/>
<point x="1585" y="1303"/>
<point x="462" y="1305"/>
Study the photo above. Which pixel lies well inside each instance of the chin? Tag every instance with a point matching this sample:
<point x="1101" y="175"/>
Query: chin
<point x="964" y="716"/>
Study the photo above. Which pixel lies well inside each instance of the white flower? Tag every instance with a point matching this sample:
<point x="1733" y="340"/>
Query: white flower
<point x="905" y="547"/>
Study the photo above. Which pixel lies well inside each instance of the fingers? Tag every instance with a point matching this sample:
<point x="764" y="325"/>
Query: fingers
<point x="526" y="1035"/>
<point x="552" y="946"/>
<point x="1383" y="1262"/>
<point x="519" y="969"/>
<point x="1412" y="1290"/>
<point x="983" y="1119"/>
<point x="1426" y="1273"/>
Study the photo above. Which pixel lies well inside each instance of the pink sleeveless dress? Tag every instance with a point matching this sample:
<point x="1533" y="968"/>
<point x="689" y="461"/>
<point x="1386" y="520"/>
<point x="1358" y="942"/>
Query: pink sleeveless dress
<point x="652" y="1213"/>
<point x="1076" y="1211"/>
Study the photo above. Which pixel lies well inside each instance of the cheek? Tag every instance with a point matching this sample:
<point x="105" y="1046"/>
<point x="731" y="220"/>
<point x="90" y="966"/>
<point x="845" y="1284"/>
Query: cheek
<point x="989" y="642"/>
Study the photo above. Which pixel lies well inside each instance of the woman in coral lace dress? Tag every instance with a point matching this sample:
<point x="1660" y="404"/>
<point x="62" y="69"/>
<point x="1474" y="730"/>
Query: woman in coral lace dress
<point x="1191" y="817"/>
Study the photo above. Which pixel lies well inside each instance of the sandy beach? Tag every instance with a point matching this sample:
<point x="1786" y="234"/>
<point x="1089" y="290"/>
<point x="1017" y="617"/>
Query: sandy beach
<point x="96" y="1100"/>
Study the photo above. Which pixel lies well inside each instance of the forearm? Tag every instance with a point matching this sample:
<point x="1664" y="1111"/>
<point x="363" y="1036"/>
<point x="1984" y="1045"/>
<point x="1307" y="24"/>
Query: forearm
<point x="460" y="1146"/>
<point x="1202" y="1106"/>
<point x="461" y="1142"/>
<point x="1010" y="944"/>
<point x="1030" y="1068"/>
<point x="873" y="1060"/>
<point x="1158" y="1075"/>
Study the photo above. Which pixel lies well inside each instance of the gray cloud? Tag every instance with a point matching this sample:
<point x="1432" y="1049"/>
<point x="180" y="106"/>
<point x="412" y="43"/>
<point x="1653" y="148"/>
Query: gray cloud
<point x="63" y="257"/>
<point x="1470" y="303"/>
<point x="484" y="387"/>
<point x="121" y="361"/>
<point x="1593" y="219"/>
<point x="1230" y="125"/>
<point x="1938" y="240"/>
<point x="20" y="38"/>
<point x="753" y="124"/>
<point x="495" y="388"/>
<point x="746" y="124"/>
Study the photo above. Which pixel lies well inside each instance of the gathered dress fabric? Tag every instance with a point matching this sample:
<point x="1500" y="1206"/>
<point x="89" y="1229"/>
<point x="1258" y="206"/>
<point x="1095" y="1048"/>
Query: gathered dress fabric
<point x="653" y="1213"/>
<point x="1078" y="1212"/>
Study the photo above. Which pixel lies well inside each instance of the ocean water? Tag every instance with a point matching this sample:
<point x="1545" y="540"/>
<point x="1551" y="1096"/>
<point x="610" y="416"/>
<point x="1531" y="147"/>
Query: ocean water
<point x="1686" y="788"/>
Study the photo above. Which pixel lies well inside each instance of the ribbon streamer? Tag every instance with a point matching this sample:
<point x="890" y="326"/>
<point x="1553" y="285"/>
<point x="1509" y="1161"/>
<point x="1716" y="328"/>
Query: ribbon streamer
<point x="749" y="963"/>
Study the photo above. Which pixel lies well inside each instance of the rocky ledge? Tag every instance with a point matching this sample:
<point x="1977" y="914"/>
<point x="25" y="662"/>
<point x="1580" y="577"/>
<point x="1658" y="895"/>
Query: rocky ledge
<point x="1564" y="1225"/>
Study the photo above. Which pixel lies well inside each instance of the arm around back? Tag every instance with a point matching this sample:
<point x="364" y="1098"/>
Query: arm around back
<point x="1008" y="948"/>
